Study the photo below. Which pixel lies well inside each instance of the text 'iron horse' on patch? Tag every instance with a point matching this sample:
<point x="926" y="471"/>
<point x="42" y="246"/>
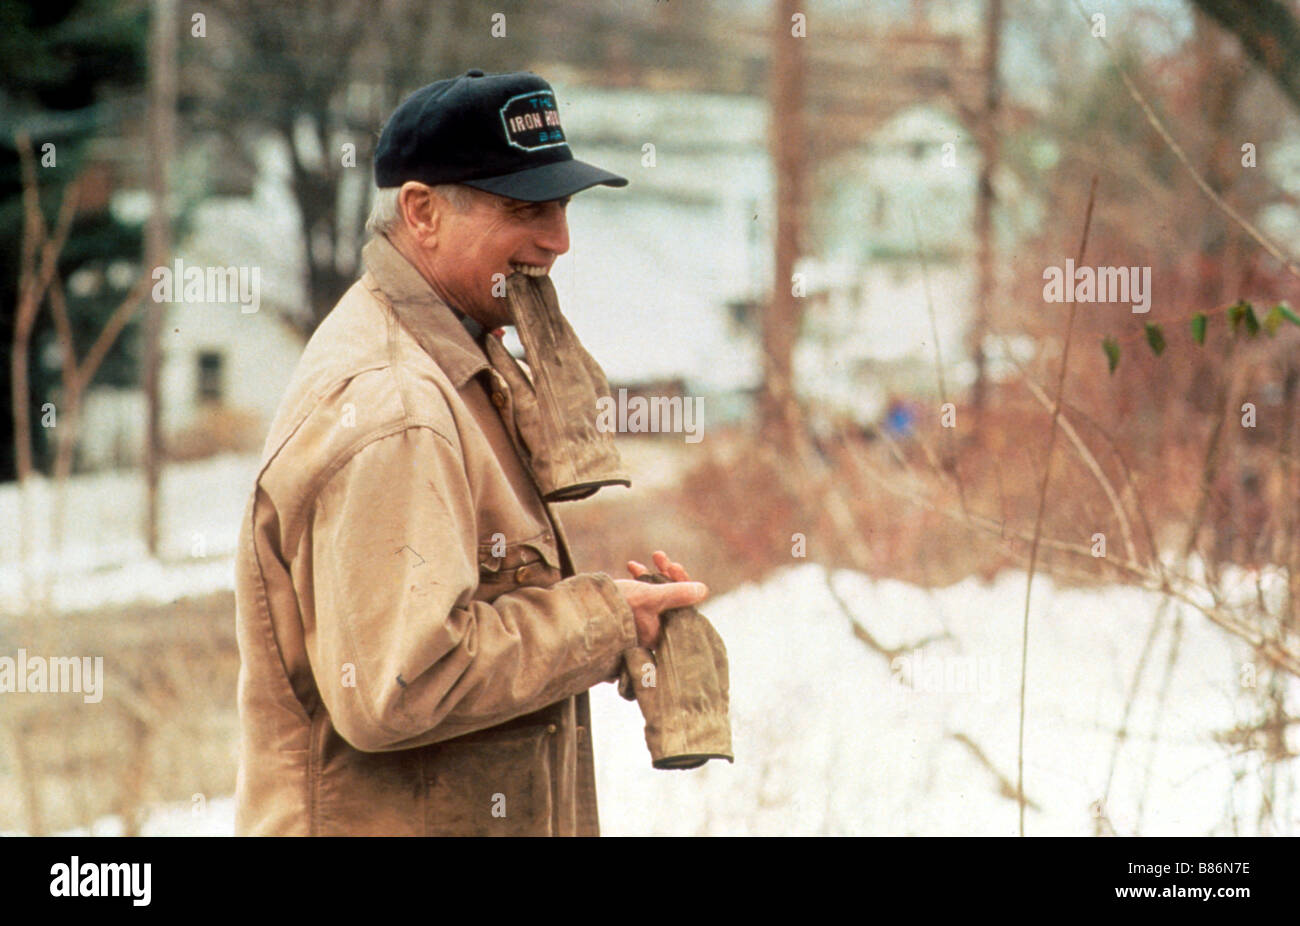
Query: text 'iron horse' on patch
<point x="532" y="121"/>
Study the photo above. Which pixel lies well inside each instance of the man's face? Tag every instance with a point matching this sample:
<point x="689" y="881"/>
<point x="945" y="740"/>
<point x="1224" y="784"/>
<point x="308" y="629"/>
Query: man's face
<point x="495" y="235"/>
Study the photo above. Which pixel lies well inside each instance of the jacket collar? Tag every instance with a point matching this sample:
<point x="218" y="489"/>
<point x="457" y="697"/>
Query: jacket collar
<point x="435" y="325"/>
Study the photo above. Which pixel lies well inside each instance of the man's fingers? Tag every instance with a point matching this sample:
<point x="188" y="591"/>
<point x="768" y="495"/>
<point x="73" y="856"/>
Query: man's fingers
<point x="675" y="572"/>
<point x="672" y="570"/>
<point x="681" y="594"/>
<point x="636" y="569"/>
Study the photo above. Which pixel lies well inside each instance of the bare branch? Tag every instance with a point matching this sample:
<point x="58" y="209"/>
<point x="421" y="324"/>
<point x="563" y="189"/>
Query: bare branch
<point x="1042" y="508"/>
<point x="112" y="328"/>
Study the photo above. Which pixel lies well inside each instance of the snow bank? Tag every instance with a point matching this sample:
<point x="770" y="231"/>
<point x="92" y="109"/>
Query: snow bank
<point x="103" y="560"/>
<point x="215" y="817"/>
<point x="831" y="737"/>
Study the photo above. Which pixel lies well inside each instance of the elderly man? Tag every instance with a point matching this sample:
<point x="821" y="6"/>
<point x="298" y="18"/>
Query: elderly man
<point x="416" y="645"/>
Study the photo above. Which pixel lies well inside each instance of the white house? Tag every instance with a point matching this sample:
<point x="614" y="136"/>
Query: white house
<point x="223" y="369"/>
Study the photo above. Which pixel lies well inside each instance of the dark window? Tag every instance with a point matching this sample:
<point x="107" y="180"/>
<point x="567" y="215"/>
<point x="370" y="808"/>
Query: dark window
<point x="210" y="365"/>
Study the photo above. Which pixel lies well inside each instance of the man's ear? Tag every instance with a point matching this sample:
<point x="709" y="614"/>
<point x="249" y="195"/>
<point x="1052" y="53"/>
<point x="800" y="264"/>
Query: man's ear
<point x="421" y="212"/>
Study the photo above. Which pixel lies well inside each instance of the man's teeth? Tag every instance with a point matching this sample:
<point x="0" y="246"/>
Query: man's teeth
<point x="529" y="270"/>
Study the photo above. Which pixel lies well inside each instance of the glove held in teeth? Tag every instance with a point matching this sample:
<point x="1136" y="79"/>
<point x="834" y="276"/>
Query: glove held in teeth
<point x="568" y="453"/>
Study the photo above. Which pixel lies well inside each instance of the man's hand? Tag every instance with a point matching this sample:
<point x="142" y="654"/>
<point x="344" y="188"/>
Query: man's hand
<point x="649" y="601"/>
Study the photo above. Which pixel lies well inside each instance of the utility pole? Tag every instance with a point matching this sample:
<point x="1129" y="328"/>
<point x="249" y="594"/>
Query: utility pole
<point x="161" y="131"/>
<point x="778" y="411"/>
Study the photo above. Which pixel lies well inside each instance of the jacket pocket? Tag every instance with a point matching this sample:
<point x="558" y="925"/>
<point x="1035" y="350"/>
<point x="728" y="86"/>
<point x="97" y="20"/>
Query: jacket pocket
<point x="534" y="561"/>
<point x="496" y="782"/>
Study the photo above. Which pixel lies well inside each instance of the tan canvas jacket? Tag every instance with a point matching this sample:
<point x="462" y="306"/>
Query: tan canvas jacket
<point x="415" y="645"/>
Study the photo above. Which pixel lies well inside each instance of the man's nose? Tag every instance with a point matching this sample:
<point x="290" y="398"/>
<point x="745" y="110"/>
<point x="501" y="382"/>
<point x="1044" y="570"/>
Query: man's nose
<point x="553" y="234"/>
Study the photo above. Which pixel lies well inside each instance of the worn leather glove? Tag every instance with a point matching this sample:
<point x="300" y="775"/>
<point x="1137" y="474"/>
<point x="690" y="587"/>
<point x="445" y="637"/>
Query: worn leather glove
<point x="682" y="689"/>
<point x="568" y="453"/>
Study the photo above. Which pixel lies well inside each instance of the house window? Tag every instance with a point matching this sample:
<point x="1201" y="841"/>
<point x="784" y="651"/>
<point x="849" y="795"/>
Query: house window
<point x="210" y="367"/>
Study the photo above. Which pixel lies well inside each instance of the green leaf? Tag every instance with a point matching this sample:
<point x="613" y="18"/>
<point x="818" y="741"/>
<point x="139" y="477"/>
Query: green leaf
<point x="1237" y="313"/>
<point x="1156" y="338"/>
<point x="1273" y="320"/>
<point x="1286" y="312"/>
<point x="1252" y="323"/>
<point x="1198" y="327"/>
<point x="1111" y="347"/>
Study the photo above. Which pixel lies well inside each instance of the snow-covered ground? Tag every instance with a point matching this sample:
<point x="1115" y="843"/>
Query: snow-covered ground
<point x="102" y="559"/>
<point x="831" y="738"/>
<point x="199" y="817"/>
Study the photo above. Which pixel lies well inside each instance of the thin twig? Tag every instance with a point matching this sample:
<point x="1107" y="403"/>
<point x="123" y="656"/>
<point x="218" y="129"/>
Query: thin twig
<point x="1121" y="734"/>
<point x="1162" y="698"/>
<point x="938" y="358"/>
<point x="1042" y="507"/>
<point x="862" y="633"/>
<point x="1093" y="466"/>
<point x="1004" y="785"/>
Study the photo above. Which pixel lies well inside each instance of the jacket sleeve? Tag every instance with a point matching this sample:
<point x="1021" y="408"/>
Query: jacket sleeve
<point x="401" y="653"/>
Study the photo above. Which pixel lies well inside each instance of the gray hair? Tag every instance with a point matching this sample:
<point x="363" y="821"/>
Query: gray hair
<point x="385" y="215"/>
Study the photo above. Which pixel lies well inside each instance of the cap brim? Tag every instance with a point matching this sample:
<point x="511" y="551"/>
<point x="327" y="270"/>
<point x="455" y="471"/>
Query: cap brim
<point x="549" y="181"/>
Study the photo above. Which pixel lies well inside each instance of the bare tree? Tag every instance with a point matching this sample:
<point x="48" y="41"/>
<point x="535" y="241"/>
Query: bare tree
<point x="39" y="283"/>
<point x="34" y="278"/>
<point x="162" y="131"/>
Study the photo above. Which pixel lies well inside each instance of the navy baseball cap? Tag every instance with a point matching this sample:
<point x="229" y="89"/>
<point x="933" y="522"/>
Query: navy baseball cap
<point x="496" y="132"/>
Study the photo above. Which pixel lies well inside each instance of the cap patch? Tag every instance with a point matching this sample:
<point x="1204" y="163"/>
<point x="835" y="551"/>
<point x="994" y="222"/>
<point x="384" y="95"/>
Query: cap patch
<point x="532" y="121"/>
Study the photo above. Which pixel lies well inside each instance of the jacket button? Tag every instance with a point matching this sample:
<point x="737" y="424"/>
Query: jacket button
<point x="551" y="728"/>
<point x="499" y="399"/>
<point x="523" y="574"/>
